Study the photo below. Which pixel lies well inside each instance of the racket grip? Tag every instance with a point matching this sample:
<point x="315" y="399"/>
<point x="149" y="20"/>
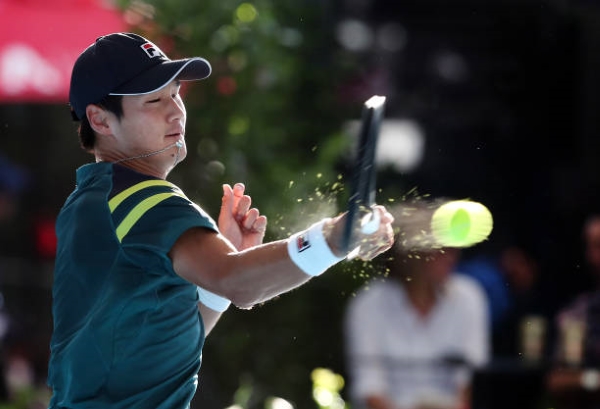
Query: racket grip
<point x="369" y="223"/>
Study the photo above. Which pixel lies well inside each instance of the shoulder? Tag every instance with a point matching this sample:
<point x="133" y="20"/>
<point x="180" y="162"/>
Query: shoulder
<point x="576" y="309"/>
<point x="127" y="182"/>
<point x="149" y="209"/>
<point x="466" y="287"/>
<point x="376" y="292"/>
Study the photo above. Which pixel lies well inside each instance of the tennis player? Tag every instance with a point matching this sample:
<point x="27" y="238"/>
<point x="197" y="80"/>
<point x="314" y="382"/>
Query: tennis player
<point x="142" y="273"/>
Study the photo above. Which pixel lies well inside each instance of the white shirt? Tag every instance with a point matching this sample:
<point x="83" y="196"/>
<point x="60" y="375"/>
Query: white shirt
<point x="392" y="351"/>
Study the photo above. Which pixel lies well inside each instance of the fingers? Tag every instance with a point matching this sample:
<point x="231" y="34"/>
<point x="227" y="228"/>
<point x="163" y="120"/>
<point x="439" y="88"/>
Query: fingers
<point x="250" y="219"/>
<point x="227" y="199"/>
<point x="238" y="204"/>
<point x="371" y="249"/>
<point x="386" y="217"/>
<point x="254" y="222"/>
<point x="241" y="202"/>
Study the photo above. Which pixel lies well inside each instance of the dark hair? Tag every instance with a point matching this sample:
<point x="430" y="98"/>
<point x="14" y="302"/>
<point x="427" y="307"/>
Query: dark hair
<point x="87" y="136"/>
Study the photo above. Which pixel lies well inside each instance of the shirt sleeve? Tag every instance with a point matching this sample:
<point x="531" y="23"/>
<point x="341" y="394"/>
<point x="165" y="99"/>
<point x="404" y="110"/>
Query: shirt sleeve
<point x="150" y="228"/>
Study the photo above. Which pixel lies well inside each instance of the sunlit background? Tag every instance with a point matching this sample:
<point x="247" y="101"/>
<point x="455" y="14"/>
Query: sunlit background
<point x="495" y="101"/>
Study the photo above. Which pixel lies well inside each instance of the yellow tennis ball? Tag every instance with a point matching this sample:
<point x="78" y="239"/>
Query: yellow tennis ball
<point x="461" y="223"/>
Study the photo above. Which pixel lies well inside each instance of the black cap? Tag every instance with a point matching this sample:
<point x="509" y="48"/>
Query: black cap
<point x="126" y="64"/>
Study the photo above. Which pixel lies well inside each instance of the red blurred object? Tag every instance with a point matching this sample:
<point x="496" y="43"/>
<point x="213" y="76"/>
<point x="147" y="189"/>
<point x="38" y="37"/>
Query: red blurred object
<point x="45" y="237"/>
<point x="226" y="85"/>
<point x="40" y="41"/>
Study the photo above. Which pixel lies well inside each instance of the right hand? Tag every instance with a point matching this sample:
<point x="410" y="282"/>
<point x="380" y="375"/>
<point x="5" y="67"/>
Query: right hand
<point x="369" y="245"/>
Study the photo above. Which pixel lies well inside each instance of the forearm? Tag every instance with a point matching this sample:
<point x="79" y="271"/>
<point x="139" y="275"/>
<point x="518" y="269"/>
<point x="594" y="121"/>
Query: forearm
<point x="259" y="274"/>
<point x="246" y="278"/>
<point x="275" y="268"/>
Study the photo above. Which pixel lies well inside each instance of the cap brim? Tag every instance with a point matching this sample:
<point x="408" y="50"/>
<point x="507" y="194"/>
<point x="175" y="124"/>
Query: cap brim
<point x="160" y="75"/>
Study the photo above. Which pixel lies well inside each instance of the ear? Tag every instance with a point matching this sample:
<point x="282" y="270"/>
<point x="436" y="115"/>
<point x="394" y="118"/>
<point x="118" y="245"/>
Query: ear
<point x="98" y="118"/>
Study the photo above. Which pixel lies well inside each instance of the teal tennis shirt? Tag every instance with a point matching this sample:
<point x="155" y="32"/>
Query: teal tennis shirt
<point x="127" y="331"/>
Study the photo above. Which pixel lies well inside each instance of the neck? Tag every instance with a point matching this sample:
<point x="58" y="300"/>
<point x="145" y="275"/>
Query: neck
<point x="144" y="168"/>
<point x="422" y="295"/>
<point x="157" y="163"/>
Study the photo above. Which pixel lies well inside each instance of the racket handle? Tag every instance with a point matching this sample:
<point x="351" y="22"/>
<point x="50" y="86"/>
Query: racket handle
<point x="369" y="223"/>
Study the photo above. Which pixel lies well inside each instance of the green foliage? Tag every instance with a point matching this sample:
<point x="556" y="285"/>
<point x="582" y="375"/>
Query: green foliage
<point x="27" y="397"/>
<point x="326" y="388"/>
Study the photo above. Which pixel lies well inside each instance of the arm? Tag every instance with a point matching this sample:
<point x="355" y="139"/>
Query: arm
<point x="246" y="278"/>
<point x="242" y="226"/>
<point x="259" y="273"/>
<point x="565" y="380"/>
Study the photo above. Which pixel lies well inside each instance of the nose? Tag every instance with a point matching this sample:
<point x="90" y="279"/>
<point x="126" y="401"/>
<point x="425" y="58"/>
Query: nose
<point x="177" y="109"/>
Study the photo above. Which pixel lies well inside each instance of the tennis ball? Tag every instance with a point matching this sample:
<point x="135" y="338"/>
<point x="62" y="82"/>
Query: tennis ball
<point x="461" y="223"/>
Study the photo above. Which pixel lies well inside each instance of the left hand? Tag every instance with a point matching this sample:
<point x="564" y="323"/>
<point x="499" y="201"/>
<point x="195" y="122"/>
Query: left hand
<point x="243" y="226"/>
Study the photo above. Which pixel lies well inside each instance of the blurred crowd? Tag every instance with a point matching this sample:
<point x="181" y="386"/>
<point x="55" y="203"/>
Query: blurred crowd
<point x="452" y="329"/>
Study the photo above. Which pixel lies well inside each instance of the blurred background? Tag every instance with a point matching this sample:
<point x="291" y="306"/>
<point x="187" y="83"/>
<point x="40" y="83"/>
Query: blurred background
<point x="494" y="100"/>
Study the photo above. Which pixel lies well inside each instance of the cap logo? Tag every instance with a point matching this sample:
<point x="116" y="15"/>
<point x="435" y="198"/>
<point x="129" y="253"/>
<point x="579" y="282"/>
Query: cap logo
<point x="152" y="50"/>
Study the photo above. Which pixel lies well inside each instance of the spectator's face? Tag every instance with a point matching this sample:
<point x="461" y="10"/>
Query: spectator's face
<point x="520" y="268"/>
<point x="433" y="267"/>
<point x="441" y="264"/>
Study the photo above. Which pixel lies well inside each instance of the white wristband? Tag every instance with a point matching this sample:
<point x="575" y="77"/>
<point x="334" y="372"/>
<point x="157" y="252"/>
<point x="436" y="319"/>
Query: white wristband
<point x="309" y="250"/>
<point x="212" y="300"/>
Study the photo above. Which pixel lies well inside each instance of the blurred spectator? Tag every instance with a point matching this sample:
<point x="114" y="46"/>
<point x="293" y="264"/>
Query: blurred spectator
<point x="13" y="181"/>
<point x="574" y="380"/>
<point x="521" y="301"/>
<point x="524" y="330"/>
<point x="486" y="271"/>
<point x="413" y="338"/>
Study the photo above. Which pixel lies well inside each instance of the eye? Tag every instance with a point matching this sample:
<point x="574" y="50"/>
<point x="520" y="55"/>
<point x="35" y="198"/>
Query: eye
<point x="175" y="89"/>
<point x="152" y="101"/>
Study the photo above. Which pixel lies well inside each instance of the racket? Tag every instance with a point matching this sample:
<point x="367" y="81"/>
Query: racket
<point x="362" y="188"/>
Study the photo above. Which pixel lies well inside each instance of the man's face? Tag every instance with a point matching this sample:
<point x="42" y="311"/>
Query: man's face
<point x="153" y="122"/>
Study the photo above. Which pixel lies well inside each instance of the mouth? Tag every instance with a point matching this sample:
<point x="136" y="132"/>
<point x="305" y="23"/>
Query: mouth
<point x="178" y="135"/>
